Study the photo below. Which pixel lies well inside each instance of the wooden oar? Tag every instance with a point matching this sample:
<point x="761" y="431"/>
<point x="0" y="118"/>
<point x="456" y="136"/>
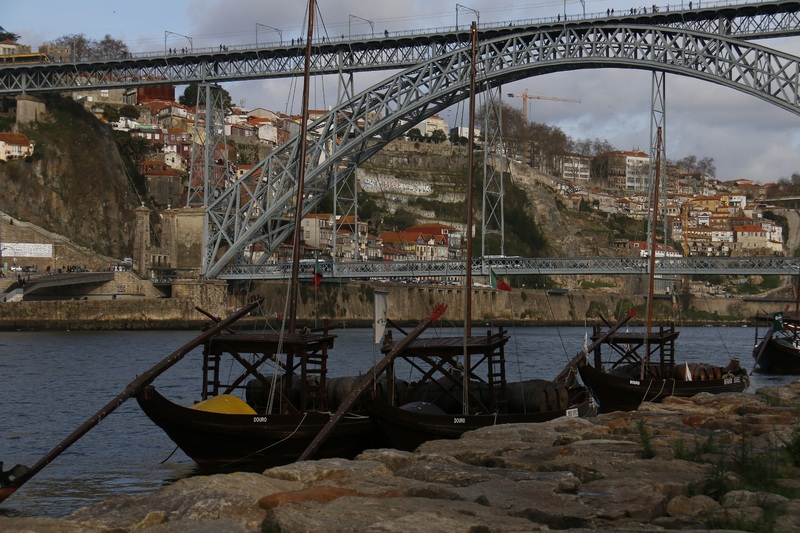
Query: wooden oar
<point x="135" y="386"/>
<point x="767" y="337"/>
<point x="368" y="378"/>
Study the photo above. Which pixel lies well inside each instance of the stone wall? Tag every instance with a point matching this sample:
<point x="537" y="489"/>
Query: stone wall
<point x="131" y="303"/>
<point x="65" y="253"/>
<point x="121" y="314"/>
<point x="180" y="241"/>
<point x="30" y="109"/>
<point x="410" y="302"/>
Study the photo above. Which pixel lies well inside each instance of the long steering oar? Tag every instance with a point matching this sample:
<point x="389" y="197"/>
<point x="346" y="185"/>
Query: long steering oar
<point x="16" y="477"/>
<point x="764" y="342"/>
<point x="368" y="378"/>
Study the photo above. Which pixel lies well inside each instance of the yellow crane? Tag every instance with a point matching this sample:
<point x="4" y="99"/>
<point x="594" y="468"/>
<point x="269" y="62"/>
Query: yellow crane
<point x="525" y="97"/>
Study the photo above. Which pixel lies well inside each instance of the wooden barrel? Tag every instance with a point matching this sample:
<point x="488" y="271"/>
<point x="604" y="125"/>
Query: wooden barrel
<point x="563" y="398"/>
<point x="699" y="373"/>
<point x="552" y="398"/>
<point x="538" y="401"/>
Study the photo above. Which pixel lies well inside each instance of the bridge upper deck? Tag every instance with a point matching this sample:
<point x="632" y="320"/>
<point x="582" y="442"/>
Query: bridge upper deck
<point x="369" y="52"/>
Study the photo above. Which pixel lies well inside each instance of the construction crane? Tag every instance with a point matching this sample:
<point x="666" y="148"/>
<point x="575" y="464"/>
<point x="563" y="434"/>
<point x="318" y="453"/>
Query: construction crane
<point x="525" y="97"/>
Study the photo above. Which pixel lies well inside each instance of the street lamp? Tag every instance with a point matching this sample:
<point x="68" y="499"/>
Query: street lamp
<point x="280" y="33"/>
<point x="166" y="32"/>
<point x="477" y="14"/>
<point x="372" y="27"/>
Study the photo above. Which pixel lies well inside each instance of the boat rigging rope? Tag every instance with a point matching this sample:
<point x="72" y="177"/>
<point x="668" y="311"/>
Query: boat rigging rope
<point x="279" y="349"/>
<point x="519" y="360"/>
<point x="644" y="398"/>
<point x="553" y="315"/>
<point x="170" y="455"/>
<point x="299" y="425"/>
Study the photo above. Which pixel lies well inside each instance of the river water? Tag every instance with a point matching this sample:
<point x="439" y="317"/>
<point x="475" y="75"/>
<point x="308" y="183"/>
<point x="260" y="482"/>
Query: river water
<point x="54" y="381"/>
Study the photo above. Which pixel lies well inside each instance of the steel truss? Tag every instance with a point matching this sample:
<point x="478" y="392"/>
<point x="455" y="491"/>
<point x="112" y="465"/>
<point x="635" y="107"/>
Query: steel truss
<point x="495" y="165"/>
<point x="751" y="21"/>
<point x="257" y="211"/>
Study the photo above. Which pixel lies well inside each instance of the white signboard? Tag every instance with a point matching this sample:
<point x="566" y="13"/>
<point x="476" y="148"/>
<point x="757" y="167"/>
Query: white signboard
<point x="26" y="249"/>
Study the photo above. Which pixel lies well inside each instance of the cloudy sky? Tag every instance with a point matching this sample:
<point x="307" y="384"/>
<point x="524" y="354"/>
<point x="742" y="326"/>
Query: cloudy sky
<point x="746" y="137"/>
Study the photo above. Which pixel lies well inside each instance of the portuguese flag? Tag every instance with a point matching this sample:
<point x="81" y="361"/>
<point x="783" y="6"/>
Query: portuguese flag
<point x="317" y="275"/>
<point x="498" y="283"/>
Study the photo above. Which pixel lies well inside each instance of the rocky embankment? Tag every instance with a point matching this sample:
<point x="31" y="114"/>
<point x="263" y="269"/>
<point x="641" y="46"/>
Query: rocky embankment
<point x="710" y="462"/>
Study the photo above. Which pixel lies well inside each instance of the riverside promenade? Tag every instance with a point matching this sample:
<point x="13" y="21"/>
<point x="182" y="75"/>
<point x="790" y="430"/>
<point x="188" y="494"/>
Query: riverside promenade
<point x="720" y="463"/>
<point x="129" y="303"/>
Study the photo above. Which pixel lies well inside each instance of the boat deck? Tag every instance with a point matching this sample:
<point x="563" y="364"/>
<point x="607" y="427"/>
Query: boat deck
<point x="637" y="347"/>
<point x="450" y="346"/>
<point x="309" y="341"/>
<point x="640" y="337"/>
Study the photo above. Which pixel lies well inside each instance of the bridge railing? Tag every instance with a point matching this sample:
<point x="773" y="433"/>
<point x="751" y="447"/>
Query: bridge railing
<point x="443" y="270"/>
<point x="330" y="39"/>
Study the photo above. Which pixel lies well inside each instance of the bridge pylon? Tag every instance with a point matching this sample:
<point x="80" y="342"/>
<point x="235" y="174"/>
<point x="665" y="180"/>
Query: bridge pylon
<point x="210" y="170"/>
<point x="494" y="167"/>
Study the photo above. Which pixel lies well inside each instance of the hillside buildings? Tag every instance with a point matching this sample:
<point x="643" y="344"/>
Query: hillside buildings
<point x="15" y="146"/>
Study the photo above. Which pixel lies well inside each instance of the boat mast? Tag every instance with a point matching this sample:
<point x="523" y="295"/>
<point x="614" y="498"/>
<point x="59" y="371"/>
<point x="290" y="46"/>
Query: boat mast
<point x="301" y="174"/>
<point x="651" y="287"/>
<point x="470" y="181"/>
<point x="468" y="262"/>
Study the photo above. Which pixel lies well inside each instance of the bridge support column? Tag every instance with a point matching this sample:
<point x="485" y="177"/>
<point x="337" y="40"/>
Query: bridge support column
<point x="30" y="109"/>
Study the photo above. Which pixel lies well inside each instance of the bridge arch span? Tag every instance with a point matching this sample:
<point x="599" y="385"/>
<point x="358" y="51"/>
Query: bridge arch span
<point x="256" y="210"/>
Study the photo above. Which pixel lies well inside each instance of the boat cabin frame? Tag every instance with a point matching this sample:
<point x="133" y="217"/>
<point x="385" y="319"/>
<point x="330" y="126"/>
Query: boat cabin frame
<point x="441" y="361"/>
<point x="298" y="361"/>
<point x="639" y="348"/>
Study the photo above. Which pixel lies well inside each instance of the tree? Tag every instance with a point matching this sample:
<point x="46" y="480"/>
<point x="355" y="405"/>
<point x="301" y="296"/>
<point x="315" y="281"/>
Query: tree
<point x="110" y="113"/>
<point x="129" y="111"/>
<point x="83" y="48"/>
<point x="189" y="97"/>
<point x="690" y="164"/>
<point x="458" y="140"/>
<point x="707" y="166"/>
<point x="8" y="35"/>
<point x="438" y="136"/>
<point x="786" y="187"/>
<point x="415" y="135"/>
<point x="135" y="148"/>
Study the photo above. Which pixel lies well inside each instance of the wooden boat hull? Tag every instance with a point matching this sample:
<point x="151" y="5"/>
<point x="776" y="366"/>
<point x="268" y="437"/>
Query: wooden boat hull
<point x="408" y="429"/>
<point x="252" y="442"/>
<point x="779" y="356"/>
<point x="622" y="393"/>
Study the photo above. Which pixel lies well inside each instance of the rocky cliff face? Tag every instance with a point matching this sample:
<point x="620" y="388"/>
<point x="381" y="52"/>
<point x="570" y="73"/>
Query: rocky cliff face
<point x="441" y="171"/>
<point x="76" y="184"/>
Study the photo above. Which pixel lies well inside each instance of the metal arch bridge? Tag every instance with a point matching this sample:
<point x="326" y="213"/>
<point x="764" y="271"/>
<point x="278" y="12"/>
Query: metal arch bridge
<point x="256" y="211"/>
<point x="731" y="266"/>
<point x="395" y="51"/>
